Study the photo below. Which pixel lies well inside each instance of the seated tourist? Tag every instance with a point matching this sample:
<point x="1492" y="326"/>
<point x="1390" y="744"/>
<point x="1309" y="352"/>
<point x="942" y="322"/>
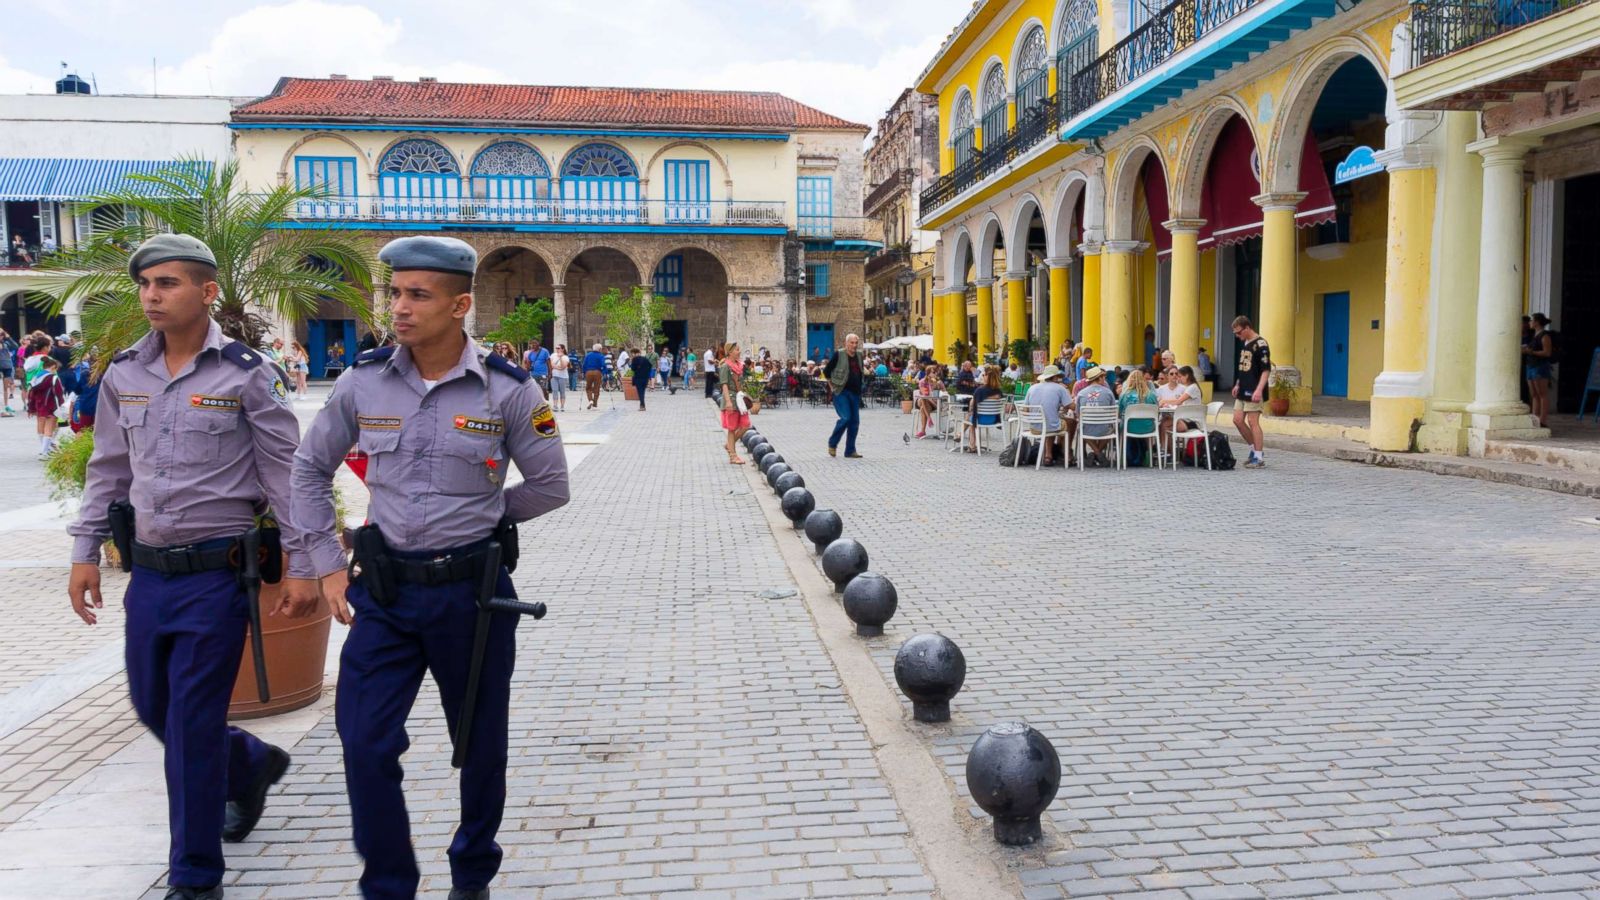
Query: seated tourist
<point x="1137" y="390"/>
<point x="927" y="397"/>
<point x="1096" y="438"/>
<point x="1053" y="399"/>
<point x="966" y="378"/>
<point x="988" y="389"/>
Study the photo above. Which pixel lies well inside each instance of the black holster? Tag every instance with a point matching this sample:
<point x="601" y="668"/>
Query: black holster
<point x="505" y="534"/>
<point x="271" y="551"/>
<point x="370" y="553"/>
<point x="119" y="515"/>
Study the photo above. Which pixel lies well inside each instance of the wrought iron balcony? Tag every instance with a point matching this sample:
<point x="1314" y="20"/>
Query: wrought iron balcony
<point x="1177" y="26"/>
<point x="1441" y="27"/>
<point x="1034" y="125"/>
<point x="545" y="211"/>
<point x="896" y="257"/>
<point x="890" y="187"/>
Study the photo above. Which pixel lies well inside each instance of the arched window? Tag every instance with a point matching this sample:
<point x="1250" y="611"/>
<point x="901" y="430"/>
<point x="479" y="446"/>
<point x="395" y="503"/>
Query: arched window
<point x="994" y="104"/>
<point x="961" y="123"/>
<point x="513" y="180"/>
<point x="599" y="183"/>
<point x="1033" y="72"/>
<point x="418" y="179"/>
<point x="1076" y="43"/>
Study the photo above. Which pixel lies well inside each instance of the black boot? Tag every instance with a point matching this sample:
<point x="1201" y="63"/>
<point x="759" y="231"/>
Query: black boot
<point x="193" y="893"/>
<point x="242" y="815"/>
<point x="464" y="894"/>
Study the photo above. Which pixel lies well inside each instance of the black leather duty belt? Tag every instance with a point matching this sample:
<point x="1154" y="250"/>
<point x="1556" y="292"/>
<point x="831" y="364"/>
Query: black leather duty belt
<point x="189" y="560"/>
<point x="446" y="569"/>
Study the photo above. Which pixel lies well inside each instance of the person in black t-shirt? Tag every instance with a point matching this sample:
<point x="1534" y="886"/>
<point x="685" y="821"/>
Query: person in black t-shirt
<point x="1250" y="388"/>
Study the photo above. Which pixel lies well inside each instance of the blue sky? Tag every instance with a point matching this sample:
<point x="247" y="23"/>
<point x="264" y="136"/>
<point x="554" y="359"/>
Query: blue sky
<point x="848" y="57"/>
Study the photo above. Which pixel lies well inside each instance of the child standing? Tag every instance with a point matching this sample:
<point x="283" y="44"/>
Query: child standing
<point x="44" y="398"/>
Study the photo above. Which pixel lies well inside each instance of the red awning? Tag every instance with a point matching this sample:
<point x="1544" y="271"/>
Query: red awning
<point x="1155" y="199"/>
<point x="1231" y="216"/>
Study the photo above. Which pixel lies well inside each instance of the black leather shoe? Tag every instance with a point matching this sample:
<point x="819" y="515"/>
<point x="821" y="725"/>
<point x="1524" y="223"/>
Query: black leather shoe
<point x="464" y="894"/>
<point x="194" y="893"/>
<point x="242" y="815"/>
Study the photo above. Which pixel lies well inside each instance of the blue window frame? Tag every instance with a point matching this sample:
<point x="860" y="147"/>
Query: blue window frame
<point x="513" y="180"/>
<point x="688" y="191"/>
<point x="600" y="184"/>
<point x="817" y="279"/>
<point x="669" y="276"/>
<point x="336" y="175"/>
<point x="419" y="179"/>
<point x="815" y="207"/>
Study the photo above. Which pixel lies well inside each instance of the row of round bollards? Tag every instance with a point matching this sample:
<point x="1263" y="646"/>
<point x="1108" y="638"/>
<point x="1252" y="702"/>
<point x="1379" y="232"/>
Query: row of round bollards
<point x="1013" y="771"/>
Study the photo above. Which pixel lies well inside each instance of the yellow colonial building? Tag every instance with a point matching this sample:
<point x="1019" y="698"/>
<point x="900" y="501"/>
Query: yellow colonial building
<point x="1133" y="177"/>
<point x="742" y="208"/>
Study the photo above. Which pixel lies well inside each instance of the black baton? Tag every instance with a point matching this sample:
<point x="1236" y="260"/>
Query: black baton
<point x="249" y="547"/>
<point x="488" y="605"/>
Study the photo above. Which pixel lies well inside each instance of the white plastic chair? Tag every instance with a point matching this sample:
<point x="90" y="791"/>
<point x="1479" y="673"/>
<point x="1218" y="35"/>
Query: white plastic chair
<point x="957" y="420"/>
<point x="1092" y="416"/>
<point x="1140" y="412"/>
<point x="988" y="417"/>
<point x="1199" y="416"/>
<point x="1033" y="426"/>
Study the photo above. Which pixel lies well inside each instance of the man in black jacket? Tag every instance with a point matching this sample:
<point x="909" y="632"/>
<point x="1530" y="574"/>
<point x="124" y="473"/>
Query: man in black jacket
<point x="844" y="376"/>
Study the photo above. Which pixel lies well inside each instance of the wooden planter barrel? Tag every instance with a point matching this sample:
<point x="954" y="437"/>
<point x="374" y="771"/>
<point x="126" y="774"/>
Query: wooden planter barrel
<point x="297" y="654"/>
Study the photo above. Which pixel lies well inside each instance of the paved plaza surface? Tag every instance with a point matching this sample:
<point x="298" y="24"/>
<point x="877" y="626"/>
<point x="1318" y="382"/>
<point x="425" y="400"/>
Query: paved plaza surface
<point x="1312" y="679"/>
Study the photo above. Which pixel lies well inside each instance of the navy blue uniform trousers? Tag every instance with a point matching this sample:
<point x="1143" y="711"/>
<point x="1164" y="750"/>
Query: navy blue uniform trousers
<point x="185" y="634"/>
<point x="426" y="629"/>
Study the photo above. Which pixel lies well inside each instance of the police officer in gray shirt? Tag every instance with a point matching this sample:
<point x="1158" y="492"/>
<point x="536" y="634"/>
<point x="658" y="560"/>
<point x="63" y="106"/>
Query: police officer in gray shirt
<point x="195" y="431"/>
<point x="439" y="421"/>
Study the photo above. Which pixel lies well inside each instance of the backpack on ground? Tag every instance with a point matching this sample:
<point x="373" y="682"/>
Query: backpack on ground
<point x="1221" y="452"/>
<point x="1024" y="455"/>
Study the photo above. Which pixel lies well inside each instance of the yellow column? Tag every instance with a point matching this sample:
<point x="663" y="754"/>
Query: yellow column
<point x="958" y="318"/>
<point x="1278" y="275"/>
<point x="1183" y="320"/>
<point x="985" y="316"/>
<point x="1116" y="305"/>
<point x="1060" y="303"/>
<point x="937" y="326"/>
<point x="1017" y="309"/>
<point x="1089" y="328"/>
<point x="1011" y="113"/>
<point x="1398" y="396"/>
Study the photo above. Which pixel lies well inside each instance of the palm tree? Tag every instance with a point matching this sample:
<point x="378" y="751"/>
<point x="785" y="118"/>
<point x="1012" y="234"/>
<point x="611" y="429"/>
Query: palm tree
<point x="262" y="267"/>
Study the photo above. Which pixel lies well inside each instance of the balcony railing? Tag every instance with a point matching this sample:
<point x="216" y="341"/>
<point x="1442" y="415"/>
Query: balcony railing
<point x="1441" y="27"/>
<point x="1174" y="28"/>
<point x="1034" y="125"/>
<point x="546" y="211"/>
<point x="893" y="258"/>
<point x="888" y="188"/>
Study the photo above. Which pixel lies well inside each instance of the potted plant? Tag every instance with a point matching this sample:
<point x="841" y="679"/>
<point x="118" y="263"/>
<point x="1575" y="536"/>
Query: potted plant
<point x="1278" y="389"/>
<point x="958" y="352"/>
<point x="1021" y="351"/>
<point x="524" y="324"/>
<point x="754" y="385"/>
<point x="632" y="321"/>
<point x="902" y="392"/>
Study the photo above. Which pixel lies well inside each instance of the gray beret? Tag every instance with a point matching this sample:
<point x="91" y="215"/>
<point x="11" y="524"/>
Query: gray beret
<point x="166" y="248"/>
<point x="432" y="254"/>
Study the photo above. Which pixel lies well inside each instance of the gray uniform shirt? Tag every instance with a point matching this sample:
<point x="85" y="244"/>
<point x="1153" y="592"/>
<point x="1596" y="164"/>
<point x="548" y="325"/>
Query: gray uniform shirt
<point x="436" y="459"/>
<point x="196" y="453"/>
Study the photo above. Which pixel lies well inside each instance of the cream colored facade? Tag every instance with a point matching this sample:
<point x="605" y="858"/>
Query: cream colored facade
<point x="902" y="160"/>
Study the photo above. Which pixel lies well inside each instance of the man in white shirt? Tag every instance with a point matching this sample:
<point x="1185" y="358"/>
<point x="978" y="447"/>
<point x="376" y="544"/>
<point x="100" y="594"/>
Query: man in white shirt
<point x="1053" y="397"/>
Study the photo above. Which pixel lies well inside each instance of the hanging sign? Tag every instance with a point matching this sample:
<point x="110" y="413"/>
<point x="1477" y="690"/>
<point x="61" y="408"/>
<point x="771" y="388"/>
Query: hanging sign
<point x="1360" y="163"/>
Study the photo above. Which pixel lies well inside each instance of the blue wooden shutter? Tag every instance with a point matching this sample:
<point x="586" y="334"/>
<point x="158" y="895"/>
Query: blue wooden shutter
<point x="688" y="191"/>
<point x="335" y="174"/>
<point x="817" y="277"/>
<point x="669" y="276"/>
<point x="816" y="206"/>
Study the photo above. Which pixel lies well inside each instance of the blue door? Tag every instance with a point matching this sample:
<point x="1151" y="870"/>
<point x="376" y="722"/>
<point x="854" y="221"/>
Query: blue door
<point x="819" y="341"/>
<point x="316" y="347"/>
<point x="330" y="341"/>
<point x="1336" y="344"/>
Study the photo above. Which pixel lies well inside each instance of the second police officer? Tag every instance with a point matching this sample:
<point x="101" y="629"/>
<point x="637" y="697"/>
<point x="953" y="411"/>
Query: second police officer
<point x="439" y="421"/>
<point x="194" y="436"/>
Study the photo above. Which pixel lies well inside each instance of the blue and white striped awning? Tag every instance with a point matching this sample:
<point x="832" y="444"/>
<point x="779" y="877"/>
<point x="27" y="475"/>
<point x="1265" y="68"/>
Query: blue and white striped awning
<point x="78" y="179"/>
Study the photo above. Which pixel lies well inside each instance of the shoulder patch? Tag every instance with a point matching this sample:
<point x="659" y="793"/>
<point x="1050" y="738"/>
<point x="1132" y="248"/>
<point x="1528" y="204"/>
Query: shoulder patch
<point x="505" y="366"/>
<point x="544" y="422"/>
<point x="379" y="354"/>
<point x="241" y="356"/>
<point x="125" y="354"/>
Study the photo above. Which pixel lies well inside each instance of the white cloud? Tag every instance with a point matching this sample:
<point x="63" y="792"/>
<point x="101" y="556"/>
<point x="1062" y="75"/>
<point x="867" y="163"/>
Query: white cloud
<point x="18" y="81"/>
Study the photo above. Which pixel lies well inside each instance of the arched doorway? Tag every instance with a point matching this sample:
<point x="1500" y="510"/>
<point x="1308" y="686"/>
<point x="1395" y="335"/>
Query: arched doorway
<point x="1025" y="254"/>
<point x="19" y="317"/>
<point x="588" y="276"/>
<point x="506" y="277"/>
<point x="695" y="282"/>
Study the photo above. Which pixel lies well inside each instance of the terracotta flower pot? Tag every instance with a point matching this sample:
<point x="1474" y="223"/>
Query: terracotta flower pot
<point x="628" y="393"/>
<point x="297" y="653"/>
<point x="905" y="406"/>
<point x="1279" y="406"/>
<point x="755" y="407"/>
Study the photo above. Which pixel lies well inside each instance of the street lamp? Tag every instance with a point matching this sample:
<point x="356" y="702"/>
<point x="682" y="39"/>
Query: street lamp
<point x="744" y="300"/>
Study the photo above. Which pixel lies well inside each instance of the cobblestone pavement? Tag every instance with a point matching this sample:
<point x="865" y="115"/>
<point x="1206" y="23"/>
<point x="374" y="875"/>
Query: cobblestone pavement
<point x="1316" y="678"/>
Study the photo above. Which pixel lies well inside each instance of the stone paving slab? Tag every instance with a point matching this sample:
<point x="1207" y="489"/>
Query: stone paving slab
<point x="1314" y="678"/>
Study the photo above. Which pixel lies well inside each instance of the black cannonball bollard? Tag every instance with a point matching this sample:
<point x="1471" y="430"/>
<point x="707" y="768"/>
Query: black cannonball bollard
<point x="797" y="504"/>
<point x="787" y="482"/>
<point x="760" y="450"/>
<point x="844" y="559"/>
<point x="768" y="461"/>
<point x="823" y="527"/>
<point x="751" y="439"/>
<point x="773" y="471"/>
<point x="1013" y="773"/>
<point x="930" y="670"/>
<point x="870" y="600"/>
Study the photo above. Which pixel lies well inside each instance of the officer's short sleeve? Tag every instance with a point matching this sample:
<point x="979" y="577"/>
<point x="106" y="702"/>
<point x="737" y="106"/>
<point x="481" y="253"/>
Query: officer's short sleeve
<point x="533" y="439"/>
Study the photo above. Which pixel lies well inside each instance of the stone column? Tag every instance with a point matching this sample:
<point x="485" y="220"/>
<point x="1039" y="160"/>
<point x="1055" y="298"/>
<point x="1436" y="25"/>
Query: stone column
<point x="1060" y="302"/>
<point x="1089" y="328"/>
<point x="1183" y="318"/>
<point x="558" y="304"/>
<point x="1454" y="324"/>
<point x="1017" y="308"/>
<point x="1278" y="275"/>
<point x="986" y="337"/>
<point x="1497" y="409"/>
<point x="1399" y="395"/>
<point x="1116" y="306"/>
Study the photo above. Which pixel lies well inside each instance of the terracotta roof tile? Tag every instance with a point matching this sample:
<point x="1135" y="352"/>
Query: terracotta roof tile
<point x="325" y="99"/>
